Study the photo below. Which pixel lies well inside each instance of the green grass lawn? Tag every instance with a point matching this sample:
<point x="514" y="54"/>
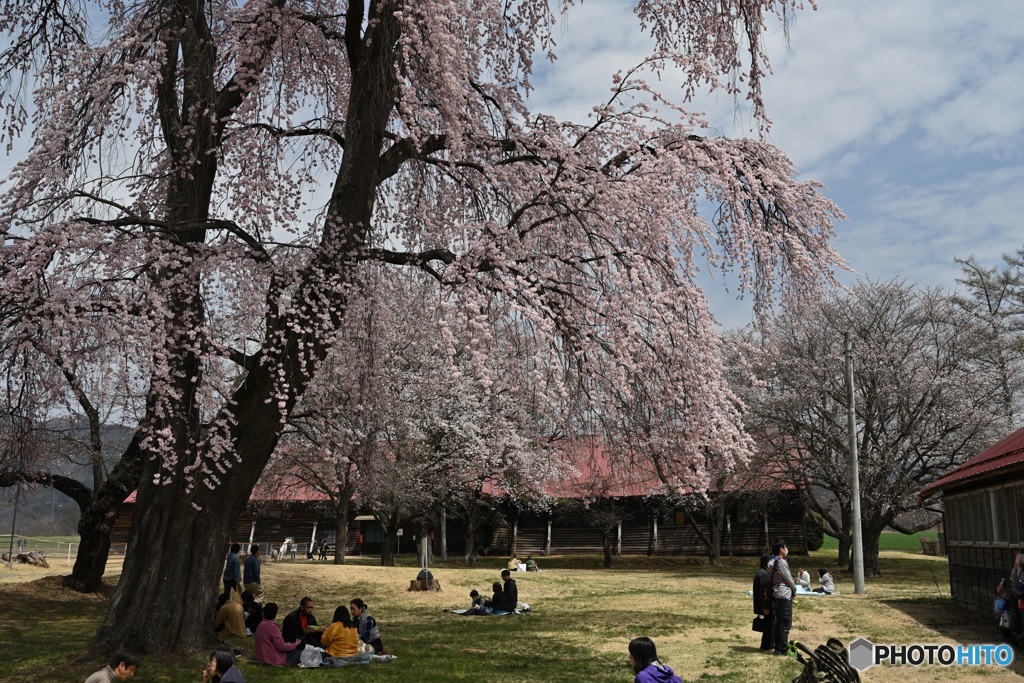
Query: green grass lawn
<point x="889" y="540"/>
<point x="584" y="616"/>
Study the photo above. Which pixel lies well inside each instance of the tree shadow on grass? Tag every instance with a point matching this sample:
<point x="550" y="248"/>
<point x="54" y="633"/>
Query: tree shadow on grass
<point x="955" y="624"/>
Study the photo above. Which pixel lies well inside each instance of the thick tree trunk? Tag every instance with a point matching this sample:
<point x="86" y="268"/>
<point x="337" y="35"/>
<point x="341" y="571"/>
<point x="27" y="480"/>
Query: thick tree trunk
<point x="340" y="533"/>
<point x="169" y="583"/>
<point x="93" y="549"/>
<point x="387" y="551"/>
<point x="716" y="519"/>
<point x="444" y="534"/>
<point x="97" y="521"/>
<point x="606" y="543"/>
<point x="845" y="546"/>
<point x="179" y="534"/>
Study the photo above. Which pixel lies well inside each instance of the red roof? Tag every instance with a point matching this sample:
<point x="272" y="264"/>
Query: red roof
<point x="1006" y="453"/>
<point x="294" y="491"/>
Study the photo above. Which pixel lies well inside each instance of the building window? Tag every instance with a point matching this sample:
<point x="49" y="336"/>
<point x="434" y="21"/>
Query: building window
<point x="952" y="511"/>
<point x="742" y="515"/>
<point x="981" y="521"/>
<point x="1010" y="510"/>
<point x="997" y="510"/>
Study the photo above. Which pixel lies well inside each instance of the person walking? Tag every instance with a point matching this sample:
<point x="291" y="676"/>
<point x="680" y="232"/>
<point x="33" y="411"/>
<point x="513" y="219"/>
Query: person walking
<point x="251" y="575"/>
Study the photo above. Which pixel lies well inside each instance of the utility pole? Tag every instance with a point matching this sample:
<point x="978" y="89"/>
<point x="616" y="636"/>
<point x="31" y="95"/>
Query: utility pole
<point x="851" y="412"/>
<point x="14" y="519"/>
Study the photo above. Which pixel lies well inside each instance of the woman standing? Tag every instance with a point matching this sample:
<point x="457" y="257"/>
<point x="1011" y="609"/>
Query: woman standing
<point x="763" y="603"/>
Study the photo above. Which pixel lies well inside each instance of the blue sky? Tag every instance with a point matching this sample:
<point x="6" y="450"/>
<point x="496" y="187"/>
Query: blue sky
<point x="910" y="112"/>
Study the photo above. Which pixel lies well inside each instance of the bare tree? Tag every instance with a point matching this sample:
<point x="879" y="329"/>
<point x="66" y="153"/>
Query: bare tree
<point x="925" y="400"/>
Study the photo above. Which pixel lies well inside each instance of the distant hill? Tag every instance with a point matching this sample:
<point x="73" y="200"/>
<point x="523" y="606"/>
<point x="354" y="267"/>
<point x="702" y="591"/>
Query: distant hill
<point x="43" y="511"/>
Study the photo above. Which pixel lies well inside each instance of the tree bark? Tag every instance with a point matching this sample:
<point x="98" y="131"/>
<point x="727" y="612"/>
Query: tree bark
<point x="341" y="531"/>
<point x="387" y="551"/>
<point x="606" y="544"/>
<point x="716" y="519"/>
<point x="179" y="532"/>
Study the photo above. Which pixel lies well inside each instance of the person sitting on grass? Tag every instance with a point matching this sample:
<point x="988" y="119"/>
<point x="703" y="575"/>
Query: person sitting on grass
<point x="511" y="590"/>
<point x="477" y="604"/>
<point x="828" y="584"/>
<point x="270" y="647"/>
<point x="222" y="668"/>
<point x="531" y="564"/>
<point x="803" y="578"/>
<point x="513" y="563"/>
<point x="301" y="624"/>
<point x="644" y="658"/>
<point x="367" y="625"/>
<point x="498" y="603"/>
<point x="121" y="667"/>
<point x="341" y="641"/>
<point x="230" y="618"/>
<point x="253" y="613"/>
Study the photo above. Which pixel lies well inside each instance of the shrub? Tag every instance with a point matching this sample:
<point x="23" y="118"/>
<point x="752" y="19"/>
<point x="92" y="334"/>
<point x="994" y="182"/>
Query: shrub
<point x="815" y="533"/>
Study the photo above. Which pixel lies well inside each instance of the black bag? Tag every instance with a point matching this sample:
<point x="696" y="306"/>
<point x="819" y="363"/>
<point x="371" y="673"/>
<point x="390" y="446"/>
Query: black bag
<point x="758" y="624"/>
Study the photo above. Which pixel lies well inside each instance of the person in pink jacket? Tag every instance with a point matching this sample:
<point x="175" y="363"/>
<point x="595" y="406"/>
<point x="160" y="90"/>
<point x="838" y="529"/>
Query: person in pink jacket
<point x="270" y="647"/>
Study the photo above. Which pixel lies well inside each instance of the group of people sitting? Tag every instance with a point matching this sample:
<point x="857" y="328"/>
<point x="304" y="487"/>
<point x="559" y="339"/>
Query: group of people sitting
<point x="351" y="638"/>
<point x="529" y="564"/>
<point x="504" y="598"/>
<point x="827" y="583"/>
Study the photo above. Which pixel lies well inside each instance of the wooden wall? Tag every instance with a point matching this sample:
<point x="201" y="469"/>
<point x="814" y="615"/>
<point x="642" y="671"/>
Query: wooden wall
<point x="275" y="523"/>
<point x="974" y="572"/>
<point x="675" y="534"/>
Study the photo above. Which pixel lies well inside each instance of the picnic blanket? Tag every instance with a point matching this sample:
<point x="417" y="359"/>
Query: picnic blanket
<point x="525" y="609"/>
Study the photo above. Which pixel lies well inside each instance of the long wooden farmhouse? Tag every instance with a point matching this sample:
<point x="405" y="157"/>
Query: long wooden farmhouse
<point x="645" y="519"/>
<point x="983" y="519"/>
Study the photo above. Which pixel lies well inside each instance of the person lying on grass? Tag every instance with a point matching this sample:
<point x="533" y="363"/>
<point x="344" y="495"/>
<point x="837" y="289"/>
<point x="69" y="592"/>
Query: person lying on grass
<point x="644" y="658"/>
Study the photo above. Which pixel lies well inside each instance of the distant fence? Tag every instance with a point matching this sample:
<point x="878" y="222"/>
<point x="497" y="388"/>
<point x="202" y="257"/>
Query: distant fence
<point x="58" y="550"/>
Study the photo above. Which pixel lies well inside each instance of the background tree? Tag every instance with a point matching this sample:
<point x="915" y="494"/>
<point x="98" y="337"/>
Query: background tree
<point x="210" y="177"/>
<point x="66" y="393"/>
<point x="925" y="402"/>
<point x="995" y="295"/>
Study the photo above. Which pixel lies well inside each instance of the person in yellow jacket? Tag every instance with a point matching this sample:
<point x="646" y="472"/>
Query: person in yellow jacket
<point x="341" y="641"/>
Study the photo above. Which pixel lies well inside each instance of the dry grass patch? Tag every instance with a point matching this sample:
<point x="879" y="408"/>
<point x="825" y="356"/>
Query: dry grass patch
<point x="583" y="618"/>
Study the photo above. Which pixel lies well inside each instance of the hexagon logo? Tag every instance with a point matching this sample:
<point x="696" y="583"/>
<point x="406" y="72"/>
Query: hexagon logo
<point x="862" y="654"/>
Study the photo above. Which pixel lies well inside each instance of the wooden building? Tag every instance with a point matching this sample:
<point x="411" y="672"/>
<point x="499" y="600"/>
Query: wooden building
<point x="659" y="528"/>
<point x="983" y="520"/>
<point x="647" y="520"/>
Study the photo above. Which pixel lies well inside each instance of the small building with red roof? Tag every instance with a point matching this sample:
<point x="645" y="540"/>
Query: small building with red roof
<point x="983" y="519"/>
